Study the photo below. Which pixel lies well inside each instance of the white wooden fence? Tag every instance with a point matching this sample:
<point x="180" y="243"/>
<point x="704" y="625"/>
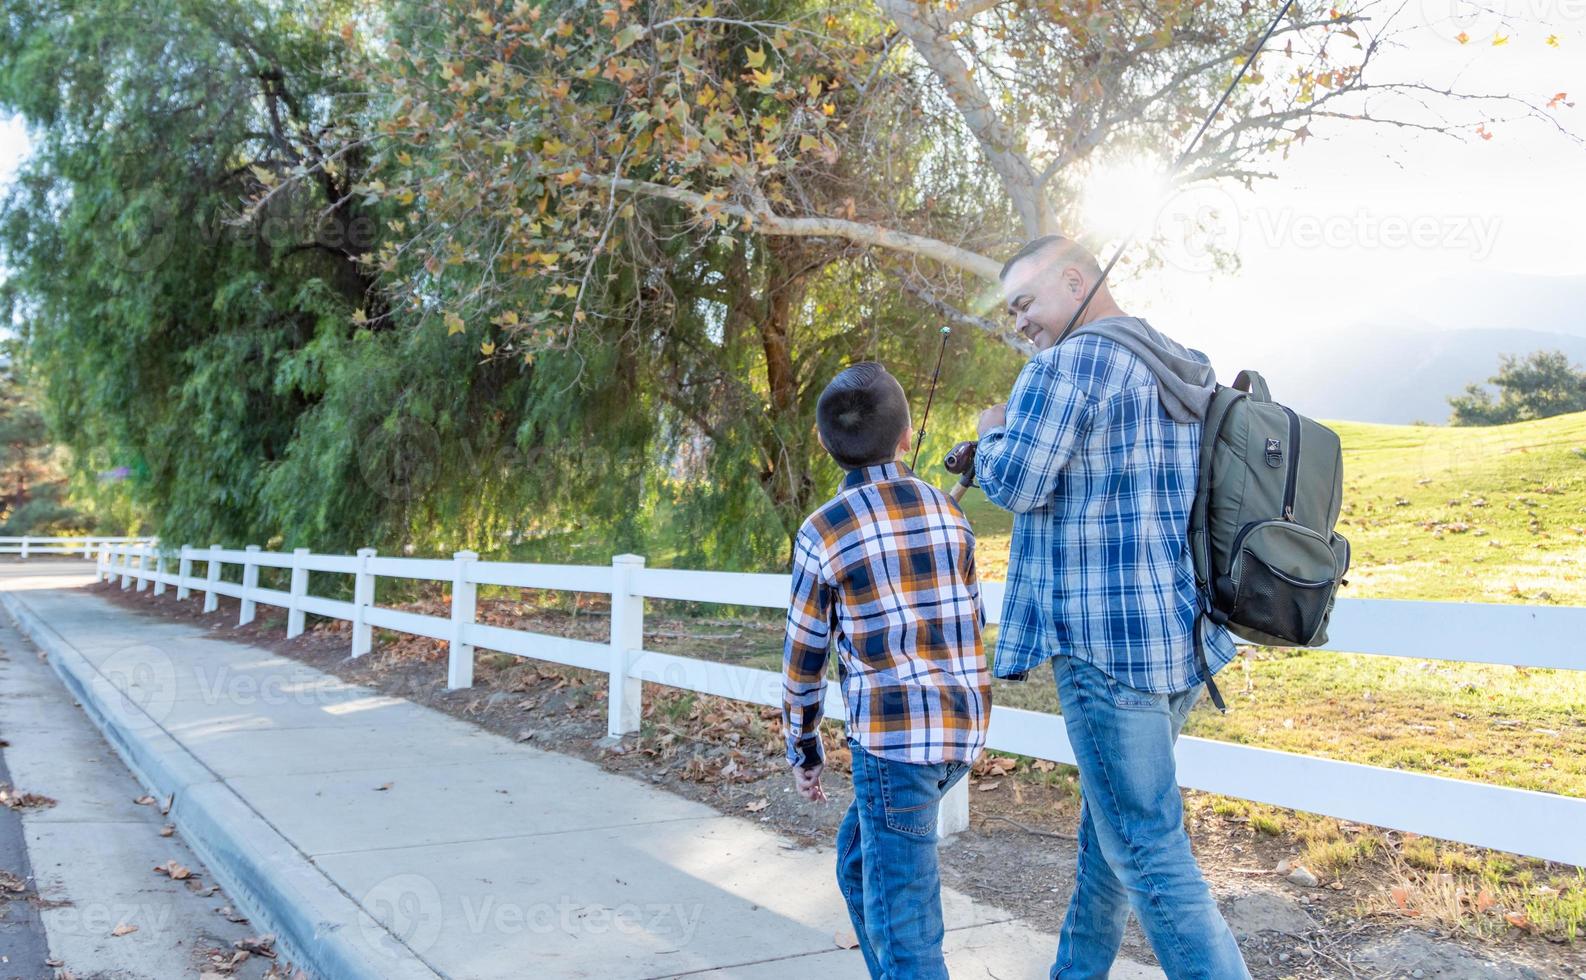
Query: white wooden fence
<point x="1543" y="825"/>
<point x="33" y="544"/>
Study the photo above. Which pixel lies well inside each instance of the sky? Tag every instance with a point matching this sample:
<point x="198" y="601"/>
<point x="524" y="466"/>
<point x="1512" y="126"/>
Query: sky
<point x="1367" y="223"/>
<point x="1381" y="224"/>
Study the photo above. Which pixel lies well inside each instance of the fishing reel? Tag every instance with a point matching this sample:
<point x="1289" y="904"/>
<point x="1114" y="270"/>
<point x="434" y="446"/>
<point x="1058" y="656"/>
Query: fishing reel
<point x="960" y="460"/>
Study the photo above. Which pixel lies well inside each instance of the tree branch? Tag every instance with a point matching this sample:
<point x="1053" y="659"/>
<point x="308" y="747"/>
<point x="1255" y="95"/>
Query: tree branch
<point x="767" y="222"/>
<point x="1001" y="148"/>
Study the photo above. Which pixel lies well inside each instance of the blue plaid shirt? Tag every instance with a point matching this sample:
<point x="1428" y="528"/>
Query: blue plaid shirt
<point x="1100" y="480"/>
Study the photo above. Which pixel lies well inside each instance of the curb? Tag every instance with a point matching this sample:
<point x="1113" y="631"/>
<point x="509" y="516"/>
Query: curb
<point x="316" y="924"/>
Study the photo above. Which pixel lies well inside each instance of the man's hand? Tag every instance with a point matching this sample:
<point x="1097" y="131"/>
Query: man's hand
<point x="991" y="418"/>
<point x="808" y="783"/>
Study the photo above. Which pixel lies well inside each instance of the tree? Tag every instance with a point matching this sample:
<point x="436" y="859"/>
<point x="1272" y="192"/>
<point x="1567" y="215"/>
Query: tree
<point x="567" y="277"/>
<point x="690" y="173"/>
<point x="159" y="319"/>
<point x="1538" y="386"/>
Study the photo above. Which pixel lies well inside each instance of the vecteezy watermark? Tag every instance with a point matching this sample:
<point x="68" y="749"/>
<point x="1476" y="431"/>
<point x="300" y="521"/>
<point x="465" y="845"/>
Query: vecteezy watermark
<point x="401" y="459"/>
<point x="1488" y="22"/>
<point x="1364" y="229"/>
<point x="97" y="920"/>
<point x="143" y="229"/>
<point x="1201" y="223"/>
<point x="142" y="678"/>
<point x="408" y="911"/>
<point x="1196" y="225"/>
<point x="288" y="685"/>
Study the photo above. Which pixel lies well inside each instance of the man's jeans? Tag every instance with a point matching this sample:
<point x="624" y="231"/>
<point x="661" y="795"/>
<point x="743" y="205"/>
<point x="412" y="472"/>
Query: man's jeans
<point x="1133" y="850"/>
<point x="886" y="864"/>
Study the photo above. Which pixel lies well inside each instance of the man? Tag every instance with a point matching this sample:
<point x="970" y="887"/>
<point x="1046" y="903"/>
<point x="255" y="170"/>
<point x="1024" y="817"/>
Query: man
<point x="1096" y="454"/>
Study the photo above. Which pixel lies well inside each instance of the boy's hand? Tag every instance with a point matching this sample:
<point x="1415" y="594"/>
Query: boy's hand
<point x="808" y="783"/>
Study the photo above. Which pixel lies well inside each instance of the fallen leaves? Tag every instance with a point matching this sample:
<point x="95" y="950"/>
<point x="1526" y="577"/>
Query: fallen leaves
<point x="258" y="945"/>
<point x="845" y="939"/>
<point x="16" y="800"/>
<point x="757" y="805"/>
<point x="123" y="929"/>
<point x="176" y="872"/>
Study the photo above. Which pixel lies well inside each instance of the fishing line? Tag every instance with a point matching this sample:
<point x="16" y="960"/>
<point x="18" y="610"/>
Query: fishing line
<point x="1205" y="124"/>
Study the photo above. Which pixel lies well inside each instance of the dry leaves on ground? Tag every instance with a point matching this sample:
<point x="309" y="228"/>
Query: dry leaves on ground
<point x="177" y="872"/>
<point x="258" y="945"/>
<point x="18" y="800"/>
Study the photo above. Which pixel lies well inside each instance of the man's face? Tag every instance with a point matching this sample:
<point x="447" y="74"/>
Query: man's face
<point x="1042" y="293"/>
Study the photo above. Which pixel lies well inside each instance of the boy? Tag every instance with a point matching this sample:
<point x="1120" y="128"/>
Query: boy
<point x="886" y="569"/>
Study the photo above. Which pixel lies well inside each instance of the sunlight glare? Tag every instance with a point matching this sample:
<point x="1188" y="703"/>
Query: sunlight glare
<point x="1121" y="196"/>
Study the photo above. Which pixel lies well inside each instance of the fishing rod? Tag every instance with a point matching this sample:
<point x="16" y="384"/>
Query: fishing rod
<point x="1179" y="163"/>
<point x="919" y="440"/>
<point x="961" y="459"/>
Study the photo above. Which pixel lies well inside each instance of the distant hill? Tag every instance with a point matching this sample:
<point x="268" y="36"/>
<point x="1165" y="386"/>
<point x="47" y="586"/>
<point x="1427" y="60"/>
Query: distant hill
<point x="1392" y="373"/>
<point x="1504" y="301"/>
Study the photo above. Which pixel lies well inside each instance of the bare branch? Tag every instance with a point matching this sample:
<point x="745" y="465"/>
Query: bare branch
<point x="766" y="222"/>
<point x="1003" y="151"/>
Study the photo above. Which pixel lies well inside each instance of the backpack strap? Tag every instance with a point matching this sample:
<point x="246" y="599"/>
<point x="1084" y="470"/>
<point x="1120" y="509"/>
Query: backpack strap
<point x="1200" y="517"/>
<point x="1255" y="384"/>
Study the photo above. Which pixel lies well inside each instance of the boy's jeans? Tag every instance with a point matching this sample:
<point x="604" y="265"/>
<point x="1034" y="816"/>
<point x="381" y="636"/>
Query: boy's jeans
<point x="886" y="864"/>
<point x="1133" y="850"/>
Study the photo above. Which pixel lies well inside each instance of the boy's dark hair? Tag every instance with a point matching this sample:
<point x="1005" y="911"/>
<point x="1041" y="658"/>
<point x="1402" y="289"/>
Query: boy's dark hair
<point x="862" y="415"/>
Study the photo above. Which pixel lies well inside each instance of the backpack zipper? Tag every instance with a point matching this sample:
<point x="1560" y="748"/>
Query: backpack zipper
<point x="1292" y="485"/>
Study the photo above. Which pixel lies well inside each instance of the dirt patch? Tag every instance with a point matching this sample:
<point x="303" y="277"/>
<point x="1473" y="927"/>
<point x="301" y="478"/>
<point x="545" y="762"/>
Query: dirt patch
<point x="1017" y="855"/>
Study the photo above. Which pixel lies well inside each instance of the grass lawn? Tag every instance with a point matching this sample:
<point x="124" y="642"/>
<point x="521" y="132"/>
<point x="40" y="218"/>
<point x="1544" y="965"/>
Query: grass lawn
<point x="1452" y="514"/>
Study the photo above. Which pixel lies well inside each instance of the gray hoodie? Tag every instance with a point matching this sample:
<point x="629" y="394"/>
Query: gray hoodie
<point x="1185" y="379"/>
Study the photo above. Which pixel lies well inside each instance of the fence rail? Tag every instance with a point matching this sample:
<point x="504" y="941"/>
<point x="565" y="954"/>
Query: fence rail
<point x="1543" y="825"/>
<point x="32" y="544"/>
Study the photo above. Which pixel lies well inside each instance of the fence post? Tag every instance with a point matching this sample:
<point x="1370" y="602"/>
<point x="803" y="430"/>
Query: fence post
<point x="625" y="695"/>
<point x="952" y="815"/>
<point x="126" y="566"/>
<point x="88" y="546"/>
<point x="159" y="572"/>
<point x="141" y="575"/>
<point x="24" y="547"/>
<point x="460" y="653"/>
<point x="184" y="569"/>
<point x="362" y="599"/>
<point x="294" y="610"/>
<point x="211" y="597"/>
<point x="250" y="581"/>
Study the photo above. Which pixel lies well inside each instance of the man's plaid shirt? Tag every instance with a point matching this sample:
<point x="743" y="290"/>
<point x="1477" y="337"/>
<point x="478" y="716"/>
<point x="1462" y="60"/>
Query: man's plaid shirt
<point x="1100" y="479"/>
<point x="886" y="569"/>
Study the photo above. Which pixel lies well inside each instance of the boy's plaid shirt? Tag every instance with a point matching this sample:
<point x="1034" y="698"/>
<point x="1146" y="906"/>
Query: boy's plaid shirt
<point x="886" y="569"/>
<point x="1100" y="479"/>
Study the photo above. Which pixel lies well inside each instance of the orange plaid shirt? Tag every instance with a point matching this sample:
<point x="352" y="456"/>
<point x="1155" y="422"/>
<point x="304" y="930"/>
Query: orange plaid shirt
<point x="887" y="569"/>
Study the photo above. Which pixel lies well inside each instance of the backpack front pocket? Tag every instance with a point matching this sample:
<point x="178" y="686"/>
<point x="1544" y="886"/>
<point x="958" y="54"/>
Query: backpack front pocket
<point x="1283" y="581"/>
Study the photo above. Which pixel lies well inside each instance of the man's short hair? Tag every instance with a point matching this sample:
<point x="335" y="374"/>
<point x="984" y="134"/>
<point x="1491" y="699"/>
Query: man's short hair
<point x="1067" y="251"/>
<point x="862" y="416"/>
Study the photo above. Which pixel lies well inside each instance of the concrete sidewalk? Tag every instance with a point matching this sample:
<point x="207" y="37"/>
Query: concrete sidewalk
<point x="379" y="838"/>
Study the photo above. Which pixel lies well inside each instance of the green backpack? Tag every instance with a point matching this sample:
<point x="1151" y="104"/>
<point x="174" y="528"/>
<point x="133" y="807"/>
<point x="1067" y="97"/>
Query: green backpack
<point x="1268" y="563"/>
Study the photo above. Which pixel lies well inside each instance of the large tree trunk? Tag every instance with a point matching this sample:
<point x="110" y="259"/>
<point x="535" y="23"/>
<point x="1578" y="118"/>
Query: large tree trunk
<point x="787" y="439"/>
